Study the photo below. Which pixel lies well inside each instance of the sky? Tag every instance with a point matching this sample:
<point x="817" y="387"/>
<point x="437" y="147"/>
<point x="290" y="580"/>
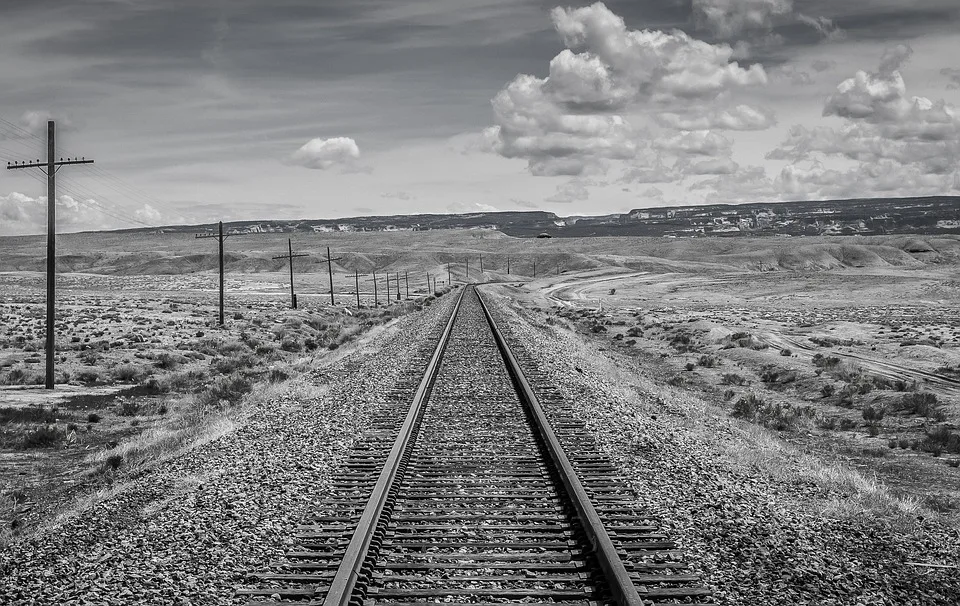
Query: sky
<point x="198" y="111"/>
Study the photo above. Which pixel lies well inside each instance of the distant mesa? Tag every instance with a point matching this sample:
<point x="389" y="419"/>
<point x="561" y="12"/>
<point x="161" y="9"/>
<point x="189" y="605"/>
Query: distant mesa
<point x="921" y="216"/>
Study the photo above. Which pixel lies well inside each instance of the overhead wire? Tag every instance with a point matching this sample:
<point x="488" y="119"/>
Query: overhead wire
<point x="103" y="178"/>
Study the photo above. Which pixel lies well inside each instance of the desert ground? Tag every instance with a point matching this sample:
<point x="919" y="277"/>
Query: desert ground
<point x="839" y="348"/>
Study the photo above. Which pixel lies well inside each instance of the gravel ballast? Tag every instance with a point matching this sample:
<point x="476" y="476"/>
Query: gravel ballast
<point x="756" y="536"/>
<point x="191" y="530"/>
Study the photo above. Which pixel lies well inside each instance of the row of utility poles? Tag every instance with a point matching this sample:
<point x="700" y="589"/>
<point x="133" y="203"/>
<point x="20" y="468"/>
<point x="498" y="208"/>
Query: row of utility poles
<point x="290" y="256"/>
<point x="50" y="168"/>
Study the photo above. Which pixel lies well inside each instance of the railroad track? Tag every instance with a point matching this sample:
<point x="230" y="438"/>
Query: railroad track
<point x="465" y="491"/>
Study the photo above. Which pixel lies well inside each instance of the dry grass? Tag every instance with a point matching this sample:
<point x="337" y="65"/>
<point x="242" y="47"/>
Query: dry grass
<point x="851" y="493"/>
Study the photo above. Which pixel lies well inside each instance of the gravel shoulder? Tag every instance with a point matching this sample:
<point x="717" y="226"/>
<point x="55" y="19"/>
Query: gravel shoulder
<point x="762" y="521"/>
<point x="191" y="529"/>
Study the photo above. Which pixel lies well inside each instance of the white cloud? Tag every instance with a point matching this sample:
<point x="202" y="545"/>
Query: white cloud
<point x="696" y="143"/>
<point x="649" y="167"/>
<point x="747" y="184"/>
<point x="883" y="178"/>
<point x="35" y="121"/>
<point x="901" y="143"/>
<point x="791" y="74"/>
<point x="21" y="214"/>
<point x="712" y="166"/>
<point x="741" y="117"/>
<point x="574" y="190"/>
<point x="148" y="215"/>
<point x="572" y="123"/>
<point x="953" y="75"/>
<point x="326" y="153"/>
<point x="653" y="193"/>
<point x="729" y="19"/>
<point x="824" y="26"/>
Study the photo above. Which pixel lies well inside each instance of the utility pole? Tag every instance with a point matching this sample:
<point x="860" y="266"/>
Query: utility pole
<point x="220" y="236"/>
<point x="376" y="301"/>
<point x="329" y="263"/>
<point x="398" y="286"/>
<point x="51" y="166"/>
<point x="534" y="268"/>
<point x="291" y="257"/>
<point x="388" y="287"/>
<point x="449" y="278"/>
<point x="356" y="276"/>
<point x="508" y="265"/>
<point x="428" y="284"/>
<point x="406" y="282"/>
<point x="467" y="277"/>
<point x="481" y="262"/>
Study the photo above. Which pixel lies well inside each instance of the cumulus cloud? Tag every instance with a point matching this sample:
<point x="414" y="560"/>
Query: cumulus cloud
<point x="741" y="117"/>
<point x="751" y="22"/>
<point x="953" y="75"/>
<point x="901" y="143"/>
<point x="883" y="178"/>
<point x="649" y="167"/>
<point x="824" y="26"/>
<point x="574" y="190"/>
<point x="484" y="141"/>
<point x="791" y="74"/>
<point x="35" y="121"/>
<point x="572" y="122"/>
<point x="712" y="166"/>
<point x="21" y="214"/>
<point x="326" y="153"/>
<point x="653" y="193"/>
<point x="696" y="143"/>
<point x="729" y="19"/>
<point x="743" y="185"/>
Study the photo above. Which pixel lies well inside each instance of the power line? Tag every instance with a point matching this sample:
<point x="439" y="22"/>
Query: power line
<point x="52" y="166"/>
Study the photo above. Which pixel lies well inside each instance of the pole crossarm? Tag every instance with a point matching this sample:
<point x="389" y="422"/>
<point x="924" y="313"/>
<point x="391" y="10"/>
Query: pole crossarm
<point x="291" y="256"/>
<point x="227" y="235"/>
<point x="42" y="165"/>
<point x="50" y="168"/>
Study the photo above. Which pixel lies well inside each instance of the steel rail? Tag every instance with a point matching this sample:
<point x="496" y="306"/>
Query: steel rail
<point x="342" y="586"/>
<point x="615" y="572"/>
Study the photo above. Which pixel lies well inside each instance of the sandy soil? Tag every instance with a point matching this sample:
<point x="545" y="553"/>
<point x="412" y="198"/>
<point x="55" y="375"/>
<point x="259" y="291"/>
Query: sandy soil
<point x="895" y="329"/>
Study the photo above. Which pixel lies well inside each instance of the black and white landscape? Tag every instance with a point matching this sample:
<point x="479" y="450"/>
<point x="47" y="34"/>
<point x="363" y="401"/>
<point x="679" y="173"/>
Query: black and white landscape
<point x="480" y="302"/>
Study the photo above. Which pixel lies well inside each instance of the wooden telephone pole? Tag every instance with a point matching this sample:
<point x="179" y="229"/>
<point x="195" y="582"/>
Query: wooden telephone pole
<point x="220" y="236"/>
<point x="356" y="278"/>
<point x="376" y="300"/>
<point x="50" y="168"/>
<point x="291" y="257"/>
<point x="329" y="263"/>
